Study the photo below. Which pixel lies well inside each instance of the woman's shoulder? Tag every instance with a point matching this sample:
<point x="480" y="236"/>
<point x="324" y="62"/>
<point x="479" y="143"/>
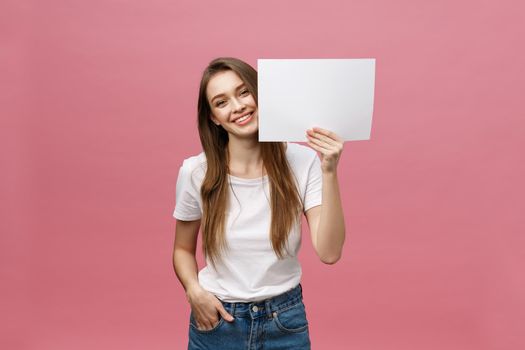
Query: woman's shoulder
<point x="195" y="160"/>
<point x="194" y="166"/>
<point x="300" y="154"/>
<point x="302" y="159"/>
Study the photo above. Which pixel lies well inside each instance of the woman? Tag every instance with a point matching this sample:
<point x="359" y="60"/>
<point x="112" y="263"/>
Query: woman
<point x="246" y="197"/>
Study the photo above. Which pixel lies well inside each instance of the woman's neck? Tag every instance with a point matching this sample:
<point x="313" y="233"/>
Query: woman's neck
<point x="245" y="158"/>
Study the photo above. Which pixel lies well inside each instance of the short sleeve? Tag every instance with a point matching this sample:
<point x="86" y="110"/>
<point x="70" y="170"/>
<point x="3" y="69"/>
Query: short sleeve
<point x="314" y="185"/>
<point x="187" y="205"/>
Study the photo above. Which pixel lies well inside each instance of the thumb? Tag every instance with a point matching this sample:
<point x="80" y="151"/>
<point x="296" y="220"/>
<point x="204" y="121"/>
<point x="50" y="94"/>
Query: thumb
<point x="224" y="313"/>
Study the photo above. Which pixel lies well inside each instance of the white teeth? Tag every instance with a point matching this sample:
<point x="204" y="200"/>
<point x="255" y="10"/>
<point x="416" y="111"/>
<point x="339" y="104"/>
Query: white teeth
<point x="243" y="118"/>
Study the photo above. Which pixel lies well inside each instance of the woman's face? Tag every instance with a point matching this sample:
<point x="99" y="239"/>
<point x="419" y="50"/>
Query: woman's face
<point x="232" y="105"/>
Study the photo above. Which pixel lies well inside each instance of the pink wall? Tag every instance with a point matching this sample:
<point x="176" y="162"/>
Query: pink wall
<point x="98" y="102"/>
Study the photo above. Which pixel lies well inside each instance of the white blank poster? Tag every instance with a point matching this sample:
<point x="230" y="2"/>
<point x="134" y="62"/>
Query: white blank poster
<point x="297" y="94"/>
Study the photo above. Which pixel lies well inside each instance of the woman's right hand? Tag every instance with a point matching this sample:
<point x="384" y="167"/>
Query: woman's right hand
<point x="206" y="308"/>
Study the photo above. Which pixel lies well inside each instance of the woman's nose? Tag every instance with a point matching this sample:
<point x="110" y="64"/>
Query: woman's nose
<point x="237" y="105"/>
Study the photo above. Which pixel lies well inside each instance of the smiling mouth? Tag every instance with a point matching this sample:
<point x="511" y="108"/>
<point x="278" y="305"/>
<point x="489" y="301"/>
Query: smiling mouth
<point x="241" y="120"/>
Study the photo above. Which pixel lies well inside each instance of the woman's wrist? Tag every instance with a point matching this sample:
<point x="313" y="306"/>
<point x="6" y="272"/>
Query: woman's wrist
<point x="330" y="174"/>
<point x="193" y="289"/>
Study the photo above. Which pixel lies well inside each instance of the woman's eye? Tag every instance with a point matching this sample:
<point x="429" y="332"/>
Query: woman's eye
<point x="221" y="102"/>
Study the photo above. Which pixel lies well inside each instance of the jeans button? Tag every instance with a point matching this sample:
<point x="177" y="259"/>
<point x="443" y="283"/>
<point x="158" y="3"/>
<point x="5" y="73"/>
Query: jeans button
<point x="255" y="308"/>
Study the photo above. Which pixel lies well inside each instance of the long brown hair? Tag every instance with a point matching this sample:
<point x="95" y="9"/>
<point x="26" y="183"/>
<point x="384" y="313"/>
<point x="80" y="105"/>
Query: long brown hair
<point x="285" y="201"/>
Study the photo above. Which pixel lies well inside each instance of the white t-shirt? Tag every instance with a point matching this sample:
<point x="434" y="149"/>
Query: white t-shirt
<point x="250" y="270"/>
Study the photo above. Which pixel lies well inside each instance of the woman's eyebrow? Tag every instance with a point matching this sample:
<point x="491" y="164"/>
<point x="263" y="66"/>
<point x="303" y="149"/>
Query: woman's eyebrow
<point x="219" y="95"/>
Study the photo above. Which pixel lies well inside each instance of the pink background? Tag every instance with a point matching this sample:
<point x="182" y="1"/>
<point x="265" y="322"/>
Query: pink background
<point x="98" y="106"/>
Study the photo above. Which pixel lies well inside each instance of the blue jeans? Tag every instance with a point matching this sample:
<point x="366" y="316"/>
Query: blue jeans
<point x="275" y="323"/>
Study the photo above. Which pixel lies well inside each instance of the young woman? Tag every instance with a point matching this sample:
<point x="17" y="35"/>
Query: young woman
<point x="246" y="197"/>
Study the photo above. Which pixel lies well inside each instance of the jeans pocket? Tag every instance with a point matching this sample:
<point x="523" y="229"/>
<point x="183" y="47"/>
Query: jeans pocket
<point x="193" y="325"/>
<point x="291" y="319"/>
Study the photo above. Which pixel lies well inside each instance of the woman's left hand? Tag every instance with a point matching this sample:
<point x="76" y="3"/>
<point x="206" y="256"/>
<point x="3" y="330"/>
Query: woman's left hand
<point x="328" y="144"/>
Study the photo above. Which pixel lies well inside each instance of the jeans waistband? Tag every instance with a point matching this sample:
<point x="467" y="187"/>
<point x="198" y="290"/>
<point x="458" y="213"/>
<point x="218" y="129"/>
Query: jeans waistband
<point x="266" y="307"/>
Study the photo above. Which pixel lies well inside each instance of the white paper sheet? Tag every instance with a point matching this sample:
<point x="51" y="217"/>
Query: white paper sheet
<point x="297" y="94"/>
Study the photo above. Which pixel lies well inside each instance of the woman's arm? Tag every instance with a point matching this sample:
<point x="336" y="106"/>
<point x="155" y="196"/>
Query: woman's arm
<point x="326" y="222"/>
<point x="203" y="303"/>
<point x="184" y="248"/>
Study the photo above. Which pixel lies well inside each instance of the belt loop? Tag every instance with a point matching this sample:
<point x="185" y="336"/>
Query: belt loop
<point x="232" y="312"/>
<point x="267" y="308"/>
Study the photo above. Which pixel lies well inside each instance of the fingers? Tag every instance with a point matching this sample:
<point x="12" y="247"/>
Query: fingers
<point x="327" y="133"/>
<point x="208" y="322"/>
<point x="328" y="144"/>
<point x="224" y="314"/>
<point x="326" y="140"/>
<point x="314" y="146"/>
<point x="319" y="141"/>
